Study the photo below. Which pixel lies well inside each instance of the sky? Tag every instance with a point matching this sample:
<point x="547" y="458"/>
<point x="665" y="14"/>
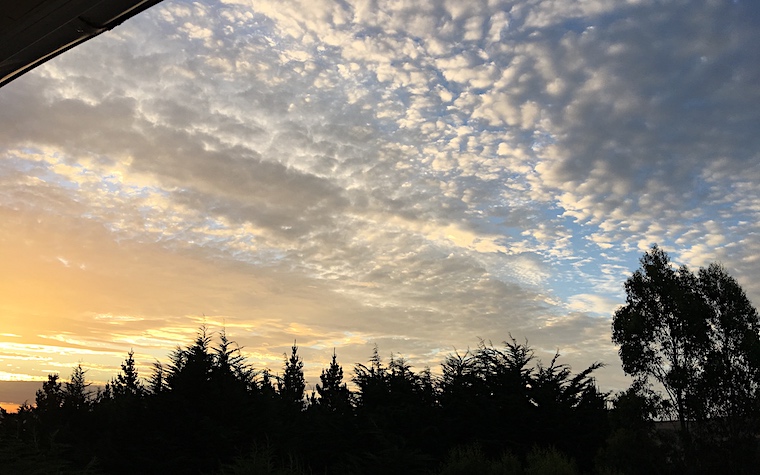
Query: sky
<point x="414" y="175"/>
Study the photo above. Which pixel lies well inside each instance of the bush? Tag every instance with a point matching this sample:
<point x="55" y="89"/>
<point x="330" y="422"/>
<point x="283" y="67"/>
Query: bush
<point x="471" y="459"/>
<point x="549" y="461"/>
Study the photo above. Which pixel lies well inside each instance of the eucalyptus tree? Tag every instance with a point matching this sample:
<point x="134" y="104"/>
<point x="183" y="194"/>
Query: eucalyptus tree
<point x="663" y="332"/>
<point x="698" y="337"/>
<point x="730" y="382"/>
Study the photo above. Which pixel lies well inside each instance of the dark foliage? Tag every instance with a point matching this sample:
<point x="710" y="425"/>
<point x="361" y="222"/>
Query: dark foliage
<point x="698" y="337"/>
<point x="493" y="409"/>
<point x="207" y="410"/>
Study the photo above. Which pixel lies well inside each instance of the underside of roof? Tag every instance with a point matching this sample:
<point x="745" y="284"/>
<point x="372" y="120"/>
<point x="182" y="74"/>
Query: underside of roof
<point x="34" y="31"/>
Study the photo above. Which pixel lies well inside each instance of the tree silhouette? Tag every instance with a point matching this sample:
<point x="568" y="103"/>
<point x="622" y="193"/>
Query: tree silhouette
<point x="75" y="394"/>
<point x="292" y="385"/>
<point x="190" y="368"/>
<point x="554" y="385"/>
<point x="207" y="410"/>
<point x="394" y="413"/>
<point x="699" y="337"/>
<point x="731" y="377"/>
<point x="127" y="383"/>
<point x="729" y="383"/>
<point x="371" y="381"/>
<point x="481" y="390"/>
<point x="50" y="398"/>
<point x="634" y="446"/>
<point x="334" y="395"/>
<point x="157" y="380"/>
<point x="663" y="330"/>
<point x="203" y="402"/>
<point x="330" y="423"/>
<point x="230" y="369"/>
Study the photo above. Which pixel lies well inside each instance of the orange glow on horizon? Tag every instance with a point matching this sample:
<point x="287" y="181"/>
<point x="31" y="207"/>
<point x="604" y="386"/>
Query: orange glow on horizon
<point x="10" y="406"/>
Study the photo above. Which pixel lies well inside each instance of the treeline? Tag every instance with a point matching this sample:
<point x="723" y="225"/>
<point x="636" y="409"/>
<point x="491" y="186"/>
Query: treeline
<point x="209" y="411"/>
<point x="493" y="410"/>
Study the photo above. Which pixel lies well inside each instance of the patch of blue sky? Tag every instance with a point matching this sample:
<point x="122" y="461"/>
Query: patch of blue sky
<point x="586" y="261"/>
<point x="211" y="234"/>
<point x="587" y="270"/>
<point x="497" y="218"/>
<point x="214" y="224"/>
<point x="36" y="151"/>
<point x="540" y="140"/>
<point x="146" y="210"/>
<point x="569" y="286"/>
<point x="369" y="32"/>
<point x="699" y="196"/>
<point x="138" y="191"/>
<point x="51" y="177"/>
<point x="403" y="95"/>
<point x="722" y="216"/>
<point x="576" y="25"/>
<point x="263" y="257"/>
<point x="112" y="183"/>
<point x="16" y="163"/>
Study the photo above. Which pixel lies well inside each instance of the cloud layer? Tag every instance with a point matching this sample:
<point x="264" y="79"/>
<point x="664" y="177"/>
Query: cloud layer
<point x="360" y="172"/>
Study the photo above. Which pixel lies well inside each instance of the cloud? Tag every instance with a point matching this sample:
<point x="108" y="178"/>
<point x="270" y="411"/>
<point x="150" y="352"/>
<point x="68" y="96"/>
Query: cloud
<point x="593" y="304"/>
<point x="417" y="175"/>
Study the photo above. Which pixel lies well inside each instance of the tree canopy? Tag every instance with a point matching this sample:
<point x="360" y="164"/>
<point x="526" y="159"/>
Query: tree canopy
<point x="208" y="411"/>
<point x="697" y="336"/>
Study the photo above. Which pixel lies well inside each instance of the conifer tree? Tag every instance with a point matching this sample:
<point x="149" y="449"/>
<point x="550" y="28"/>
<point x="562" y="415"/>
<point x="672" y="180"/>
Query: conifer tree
<point x="127" y="383"/>
<point x="333" y="392"/>
<point x="75" y="394"/>
<point x="267" y="384"/>
<point x="372" y="381"/>
<point x="292" y="385"/>
<point x="50" y="397"/>
<point x="157" y="380"/>
<point x="190" y="368"/>
<point x="230" y="367"/>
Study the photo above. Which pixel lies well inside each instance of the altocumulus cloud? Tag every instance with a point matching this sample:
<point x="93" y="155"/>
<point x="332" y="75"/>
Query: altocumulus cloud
<point x="413" y="174"/>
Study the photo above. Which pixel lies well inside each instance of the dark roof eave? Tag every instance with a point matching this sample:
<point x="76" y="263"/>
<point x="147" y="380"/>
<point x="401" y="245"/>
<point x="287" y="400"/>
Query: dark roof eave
<point x="46" y="31"/>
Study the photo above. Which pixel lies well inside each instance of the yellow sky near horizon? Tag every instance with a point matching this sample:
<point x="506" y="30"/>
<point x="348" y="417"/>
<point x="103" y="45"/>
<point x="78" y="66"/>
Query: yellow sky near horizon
<point x="72" y="294"/>
<point x="10" y="406"/>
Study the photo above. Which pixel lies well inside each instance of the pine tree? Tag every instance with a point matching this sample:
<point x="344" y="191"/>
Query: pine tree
<point x="230" y="367"/>
<point x="333" y="392"/>
<point x="157" y="380"/>
<point x="50" y="397"/>
<point x="292" y="385"/>
<point x="127" y="383"/>
<point x="75" y="394"/>
<point x="190" y="368"/>
<point x="372" y="381"/>
<point x="267" y="387"/>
